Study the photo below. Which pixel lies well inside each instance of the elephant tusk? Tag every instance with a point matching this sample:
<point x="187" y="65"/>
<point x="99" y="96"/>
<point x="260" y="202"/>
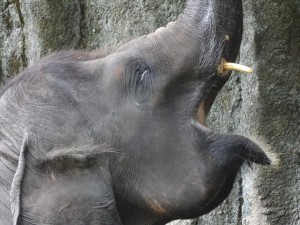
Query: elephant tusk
<point x="237" y="67"/>
<point x="224" y="67"/>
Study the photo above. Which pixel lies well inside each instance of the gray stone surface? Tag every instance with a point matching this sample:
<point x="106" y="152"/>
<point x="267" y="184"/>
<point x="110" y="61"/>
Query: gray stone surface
<point x="265" y="104"/>
<point x="113" y="22"/>
<point x="50" y="26"/>
<point x="13" y="58"/>
<point x="183" y="222"/>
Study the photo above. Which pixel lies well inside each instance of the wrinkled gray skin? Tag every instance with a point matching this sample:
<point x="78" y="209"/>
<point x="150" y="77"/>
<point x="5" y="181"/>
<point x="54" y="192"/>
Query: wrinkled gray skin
<point x="92" y="138"/>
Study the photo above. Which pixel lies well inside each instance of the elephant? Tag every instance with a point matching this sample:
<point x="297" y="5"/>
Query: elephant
<point x="120" y="137"/>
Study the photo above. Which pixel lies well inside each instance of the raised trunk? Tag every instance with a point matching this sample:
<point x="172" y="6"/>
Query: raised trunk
<point x="204" y="33"/>
<point x="215" y="26"/>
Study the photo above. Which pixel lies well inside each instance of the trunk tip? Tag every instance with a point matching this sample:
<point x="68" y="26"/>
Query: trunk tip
<point x="273" y="159"/>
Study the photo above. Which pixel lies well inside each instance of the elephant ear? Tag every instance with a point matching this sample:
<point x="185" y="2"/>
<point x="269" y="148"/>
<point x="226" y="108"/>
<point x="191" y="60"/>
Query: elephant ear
<point x="16" y="184"/>
<point x="61" y="188"/>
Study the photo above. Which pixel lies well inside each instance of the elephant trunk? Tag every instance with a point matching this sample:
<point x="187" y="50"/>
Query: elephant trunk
<point x="205" y="32"/>
<point x="213" y="29"/>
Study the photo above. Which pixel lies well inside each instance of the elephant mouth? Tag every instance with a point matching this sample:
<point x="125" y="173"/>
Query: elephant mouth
<point x="254" y="151"/>
<point x="215" y="85"/>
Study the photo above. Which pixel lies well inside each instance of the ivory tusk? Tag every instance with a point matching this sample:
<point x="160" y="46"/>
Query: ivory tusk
<point x="224" y="67"/>
<point x="237" y="67"/>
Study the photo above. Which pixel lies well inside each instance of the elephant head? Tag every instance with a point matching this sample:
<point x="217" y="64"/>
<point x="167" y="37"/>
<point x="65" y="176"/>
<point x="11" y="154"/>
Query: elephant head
<point x="121" y="138"/>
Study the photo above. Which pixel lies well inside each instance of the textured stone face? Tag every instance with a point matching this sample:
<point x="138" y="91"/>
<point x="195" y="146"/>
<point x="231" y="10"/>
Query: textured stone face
<point x="265" y="104"/>
<point x="31" y="29"/>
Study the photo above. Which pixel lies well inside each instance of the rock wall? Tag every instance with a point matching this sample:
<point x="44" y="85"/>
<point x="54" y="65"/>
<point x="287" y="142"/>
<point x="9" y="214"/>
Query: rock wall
<point x="265" y="104"/>
<point x="30" y="29"/>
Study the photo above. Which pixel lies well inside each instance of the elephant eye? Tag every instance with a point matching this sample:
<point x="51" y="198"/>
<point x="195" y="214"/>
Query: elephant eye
<point x="141" y="76"/>
<point x="142" y="84"/>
